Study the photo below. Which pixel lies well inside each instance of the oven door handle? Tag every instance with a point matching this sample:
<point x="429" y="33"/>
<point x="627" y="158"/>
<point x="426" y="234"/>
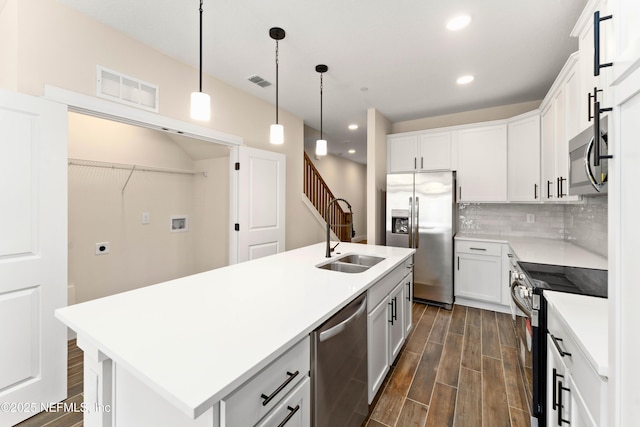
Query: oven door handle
<point x="521" y="306"/>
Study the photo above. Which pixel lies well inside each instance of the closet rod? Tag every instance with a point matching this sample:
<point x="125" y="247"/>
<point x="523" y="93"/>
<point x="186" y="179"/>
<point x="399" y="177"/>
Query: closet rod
<point x="124" y="166"/>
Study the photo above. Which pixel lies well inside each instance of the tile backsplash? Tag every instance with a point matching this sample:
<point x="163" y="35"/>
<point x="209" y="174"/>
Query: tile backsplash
<point x="584" y="224"/>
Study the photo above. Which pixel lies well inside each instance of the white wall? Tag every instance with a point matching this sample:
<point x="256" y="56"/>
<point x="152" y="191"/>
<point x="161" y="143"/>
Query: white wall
<point x="60" y="46"/>
<point x="378" y="126"/>
<point x="347" y="180"/>
<point x="465" y="117"/>
<point x="100" y="211"/>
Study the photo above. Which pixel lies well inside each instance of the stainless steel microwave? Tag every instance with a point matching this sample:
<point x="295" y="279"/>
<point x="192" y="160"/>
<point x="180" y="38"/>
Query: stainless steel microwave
<point x="584" y="176"/>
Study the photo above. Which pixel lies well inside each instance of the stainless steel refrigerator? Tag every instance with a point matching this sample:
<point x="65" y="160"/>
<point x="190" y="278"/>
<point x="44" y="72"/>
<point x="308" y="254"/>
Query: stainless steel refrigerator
<point x="421" y="213"/>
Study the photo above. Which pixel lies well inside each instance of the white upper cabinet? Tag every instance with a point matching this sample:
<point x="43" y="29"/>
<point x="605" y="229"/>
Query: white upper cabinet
<point x="434" y="151"/>
<point x="523" y="148"/>
<point x="402" y="153"/>
<point x="558" y="121"/>
<point x="593" y="79"/>
<point x="482" y="161"/>
<point x="625" y="37"/>
<point x="425" y="151"/>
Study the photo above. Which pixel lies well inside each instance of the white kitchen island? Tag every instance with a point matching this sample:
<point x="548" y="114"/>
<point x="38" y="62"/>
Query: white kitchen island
<point x="167" y="354"/>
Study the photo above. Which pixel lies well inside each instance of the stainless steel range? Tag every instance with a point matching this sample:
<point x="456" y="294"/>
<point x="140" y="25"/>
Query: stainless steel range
<point x="528" y="281"/>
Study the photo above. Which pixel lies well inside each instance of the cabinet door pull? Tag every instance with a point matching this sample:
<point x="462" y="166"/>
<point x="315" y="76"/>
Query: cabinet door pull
<point x="415" y="165"/>
<point x="286" y="382"/>
<point x="561" y="192"/>
<point x="460" y="193"/>
<point x="292" y="411"/>
<point x="549" y="184"/>
<point x="535" y="191"/>
<point x="596" y="43"/>
<point x="391" y="304"/>
<point x="596" y="135"/>
<point x="408" y="290"/>
<point x="554" y="400"/>
<point x="478" y="249"/>
<point x="556" y="342"/>
<point x="421" y="162"/>
<point x="458" y="263"/>
<point x="560" y="405"/>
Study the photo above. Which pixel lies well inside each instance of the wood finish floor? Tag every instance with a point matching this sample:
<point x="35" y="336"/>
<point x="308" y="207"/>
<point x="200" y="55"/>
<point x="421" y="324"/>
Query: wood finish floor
<point x="70" y="417"/>
<point x="457" y="368"/>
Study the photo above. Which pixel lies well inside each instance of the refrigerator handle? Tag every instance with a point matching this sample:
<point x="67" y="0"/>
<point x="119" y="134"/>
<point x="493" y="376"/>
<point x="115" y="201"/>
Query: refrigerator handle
<point x="410" y="222"/>
<point x="416" y="239"/>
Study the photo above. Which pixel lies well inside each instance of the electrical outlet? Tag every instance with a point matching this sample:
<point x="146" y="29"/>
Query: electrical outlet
<point x="531" y="218"/>
<point x="102" y="248"/>
<point x="146" y="217"/>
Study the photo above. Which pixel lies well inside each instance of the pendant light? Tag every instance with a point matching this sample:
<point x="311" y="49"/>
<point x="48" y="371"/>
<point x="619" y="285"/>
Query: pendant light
<point x="200" y="101"/>
<point x="276" y="135"/>
<point x="321" y="144"/>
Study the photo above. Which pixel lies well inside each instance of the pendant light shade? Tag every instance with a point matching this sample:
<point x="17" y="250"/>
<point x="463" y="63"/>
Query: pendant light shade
<point x="321" y="147"/>
<point x="200" y="106"/>
<point x="200" y="101"/>
<point x="321" y="144"/>
<point x="276" y="136"/>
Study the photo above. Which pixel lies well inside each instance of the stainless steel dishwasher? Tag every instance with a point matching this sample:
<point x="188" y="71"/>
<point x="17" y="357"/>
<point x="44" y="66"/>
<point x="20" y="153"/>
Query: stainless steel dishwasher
<point x="339" y="368"/>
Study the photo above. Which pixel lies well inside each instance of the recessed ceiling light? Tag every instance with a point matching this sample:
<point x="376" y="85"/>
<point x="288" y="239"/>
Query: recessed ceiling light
<point x="353" y="126"/>
<point x="459" y="22"/>
<point x="463" y="80"/>
<point x="351" y="151"/>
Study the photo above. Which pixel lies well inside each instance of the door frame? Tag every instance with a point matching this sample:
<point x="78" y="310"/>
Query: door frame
<point x="96" y="107"/>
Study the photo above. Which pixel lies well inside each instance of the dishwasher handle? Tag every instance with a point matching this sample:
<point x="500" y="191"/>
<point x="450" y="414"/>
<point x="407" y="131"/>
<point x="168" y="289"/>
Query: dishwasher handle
<point x="330" y="333"/>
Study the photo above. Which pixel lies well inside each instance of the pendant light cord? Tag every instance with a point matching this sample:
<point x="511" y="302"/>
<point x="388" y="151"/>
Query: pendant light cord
<point x="201" y="45"/>
<point x="321" y="105"/>
<point x="277" y="63"/>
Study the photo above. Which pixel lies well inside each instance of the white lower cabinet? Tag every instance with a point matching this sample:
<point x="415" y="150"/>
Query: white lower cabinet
<point x="576" y="394"/>
<point x="377" y="348"/>
<point x="396" y="320"/>
<point x="263" y="396"/>
<point x="408" y="301"/>
<point x="388" y="310"/>
<point x="294" y="410"/>
<point x="478" y="272"/>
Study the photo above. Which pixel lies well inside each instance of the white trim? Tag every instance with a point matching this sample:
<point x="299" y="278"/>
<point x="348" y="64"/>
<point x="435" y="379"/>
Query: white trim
<point x="97" y="107"/>
<point x="234" y="156"/>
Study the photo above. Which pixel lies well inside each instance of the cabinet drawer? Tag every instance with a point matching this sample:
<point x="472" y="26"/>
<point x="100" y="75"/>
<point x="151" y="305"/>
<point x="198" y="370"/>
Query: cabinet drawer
<point x="478" y="247"/>
<point x="593" y="387"/>
<point x="294" y="410"/>
<point x="384" y="286"/>
<point x="254" y="399"/>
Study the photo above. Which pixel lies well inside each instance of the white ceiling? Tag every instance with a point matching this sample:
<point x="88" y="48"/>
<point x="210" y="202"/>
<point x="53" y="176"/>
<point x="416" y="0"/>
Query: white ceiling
<point x="392" y="55"/>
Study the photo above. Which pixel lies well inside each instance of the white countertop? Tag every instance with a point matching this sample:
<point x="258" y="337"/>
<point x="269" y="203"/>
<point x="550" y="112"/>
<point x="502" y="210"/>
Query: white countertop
<point x="587" y="320"/>
<point x="195" y="339"/>
<point x="545" y="251"/>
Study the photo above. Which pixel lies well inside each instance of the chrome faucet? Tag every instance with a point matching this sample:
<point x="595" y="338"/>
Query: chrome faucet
<point x="353" y="233"/>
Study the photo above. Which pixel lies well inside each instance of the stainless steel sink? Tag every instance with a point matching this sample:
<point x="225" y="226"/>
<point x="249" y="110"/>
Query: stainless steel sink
<point x="344" y="267"/>
<point x="367" y="260"/>
<point x="353" y="263"/>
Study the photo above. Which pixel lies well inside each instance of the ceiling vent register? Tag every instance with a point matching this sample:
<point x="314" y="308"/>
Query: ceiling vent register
<point x="259" y="81"/>
<point x="119" y="87"/>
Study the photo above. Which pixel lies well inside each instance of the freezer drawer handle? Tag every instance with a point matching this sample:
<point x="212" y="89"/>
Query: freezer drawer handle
<point x="557" y="344"/>
<point x="269" y="398"/>
<point x="292" y="411"/>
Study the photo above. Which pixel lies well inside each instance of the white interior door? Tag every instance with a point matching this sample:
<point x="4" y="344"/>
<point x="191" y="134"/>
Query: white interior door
<point x="33" y="254"/>
<point x="261" y="203"/>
